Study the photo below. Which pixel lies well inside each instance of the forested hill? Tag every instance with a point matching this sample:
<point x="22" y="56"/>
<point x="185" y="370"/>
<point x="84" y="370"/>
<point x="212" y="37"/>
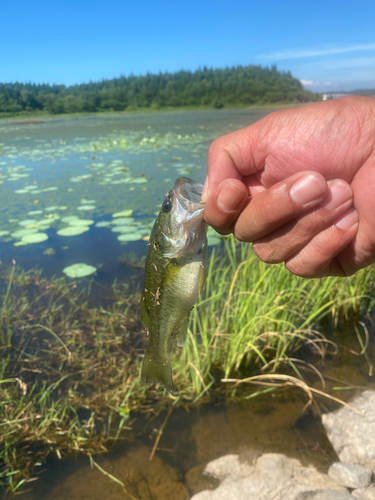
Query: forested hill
<point x="241" y="85"/>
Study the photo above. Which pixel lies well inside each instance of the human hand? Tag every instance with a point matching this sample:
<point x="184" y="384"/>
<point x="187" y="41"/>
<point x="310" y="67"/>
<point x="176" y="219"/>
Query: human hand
<point x="300" y="184"/>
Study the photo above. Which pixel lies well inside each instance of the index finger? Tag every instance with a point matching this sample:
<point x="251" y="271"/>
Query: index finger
<point x="234" y="156"/>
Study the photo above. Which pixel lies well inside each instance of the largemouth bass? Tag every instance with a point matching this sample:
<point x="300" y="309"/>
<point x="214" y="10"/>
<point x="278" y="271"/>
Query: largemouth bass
<point x="175" y="274"/>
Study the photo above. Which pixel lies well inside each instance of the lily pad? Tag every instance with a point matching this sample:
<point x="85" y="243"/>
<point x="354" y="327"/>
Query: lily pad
<point x="81" y="222"/>
<point x="130" y="236"/>
<point x="23" y="232"/>
<point x="86" y="207"/>
<point x="3" y="233"/>
<point x="79" y="270"/>
<point x="139" y="180"/>
<point x="123" y="229"/>
<point x="28" y="222"/>
<point x="87" y="202"/>
<point x="69" y="218"/>
<point x="34" y="238"/>
<point x="122" y="221"/>
<point x="124" y="213"/>
<point x="103" y="223"/>
<point x="72" y="230"/>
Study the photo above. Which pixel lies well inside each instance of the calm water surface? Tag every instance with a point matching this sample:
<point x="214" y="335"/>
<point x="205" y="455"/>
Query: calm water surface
<point x="90" y="168"/>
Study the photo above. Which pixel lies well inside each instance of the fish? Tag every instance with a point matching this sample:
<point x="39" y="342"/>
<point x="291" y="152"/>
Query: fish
<point x="174" y="276"/>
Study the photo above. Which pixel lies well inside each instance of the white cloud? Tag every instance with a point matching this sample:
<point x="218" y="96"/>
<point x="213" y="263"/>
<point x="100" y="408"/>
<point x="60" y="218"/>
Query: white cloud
<point x="299" y="54"/>
<point x="307" y="82"/>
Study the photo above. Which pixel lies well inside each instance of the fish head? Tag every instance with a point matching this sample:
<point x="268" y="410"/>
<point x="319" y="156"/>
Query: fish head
<point x="181" y="218"/>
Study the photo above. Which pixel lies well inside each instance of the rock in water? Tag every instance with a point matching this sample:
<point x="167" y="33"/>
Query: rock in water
<point x="353" y="434"/>
<point x="350" y="475"/>
<point x="271" y="476"/>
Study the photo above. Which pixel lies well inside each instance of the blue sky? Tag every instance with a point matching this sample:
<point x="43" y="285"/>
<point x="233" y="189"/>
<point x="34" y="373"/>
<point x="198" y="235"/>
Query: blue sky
<point x="327" y="45"/>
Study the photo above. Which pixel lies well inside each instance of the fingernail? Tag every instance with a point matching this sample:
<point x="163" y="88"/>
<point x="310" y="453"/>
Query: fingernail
<point x="229" y="197"/>
<point x="348" y="220"/>
<point x="205" y="191"/>
<point x="307" y="189"/>
<point x="338" y="193"/>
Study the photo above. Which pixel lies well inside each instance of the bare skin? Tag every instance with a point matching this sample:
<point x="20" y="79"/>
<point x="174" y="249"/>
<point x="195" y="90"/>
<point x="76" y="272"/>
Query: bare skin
<point x="300" y="185"/>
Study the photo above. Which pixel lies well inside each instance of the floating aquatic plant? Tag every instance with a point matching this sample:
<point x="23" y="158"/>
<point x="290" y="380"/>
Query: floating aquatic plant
<point x="34" y="238"/>
<point x="130" y="236"/>
<point x="103" y="223"/>
<point x="124" y="213"/>
<point x="49" y="251"/>
<point x="123" y="229"/>
<point x="24" y="232"/>
<point x="67" y="219"/>
<point x="81" y="222"/>
<point x="122" y="221"/>
<point x="79" y="270"/>
<point x="72" y="230"/>
<point x="86" y="207"/>
<point x="27" y="222"/>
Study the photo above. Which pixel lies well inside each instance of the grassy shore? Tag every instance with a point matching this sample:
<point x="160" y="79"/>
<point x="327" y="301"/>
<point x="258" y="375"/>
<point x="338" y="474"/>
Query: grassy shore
<point x="38" y="115"/>
<point x="69" y="376"/>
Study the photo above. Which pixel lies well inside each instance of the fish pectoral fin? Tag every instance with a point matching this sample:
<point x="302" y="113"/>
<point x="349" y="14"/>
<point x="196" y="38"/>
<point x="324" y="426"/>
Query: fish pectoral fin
<point x="181" y="335"/>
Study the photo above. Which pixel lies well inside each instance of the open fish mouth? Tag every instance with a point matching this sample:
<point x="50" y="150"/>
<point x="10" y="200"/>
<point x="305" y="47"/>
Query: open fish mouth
<point x="188" y="215"/>
<point x="189" y="191"/>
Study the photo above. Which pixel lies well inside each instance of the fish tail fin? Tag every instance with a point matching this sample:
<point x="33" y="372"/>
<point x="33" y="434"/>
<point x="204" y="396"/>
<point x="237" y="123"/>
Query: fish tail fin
<point x="157" y="369"/>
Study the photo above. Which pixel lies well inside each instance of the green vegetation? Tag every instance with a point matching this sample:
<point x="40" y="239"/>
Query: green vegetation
<point x="236" y="86"/>
<point x="69" y="373"/>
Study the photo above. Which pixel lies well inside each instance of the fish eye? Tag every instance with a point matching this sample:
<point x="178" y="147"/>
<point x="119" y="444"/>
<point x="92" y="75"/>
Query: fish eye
<point x="167" y="205"/>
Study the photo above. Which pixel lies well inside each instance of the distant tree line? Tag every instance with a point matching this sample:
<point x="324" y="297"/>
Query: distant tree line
<point x="240" y="85"/>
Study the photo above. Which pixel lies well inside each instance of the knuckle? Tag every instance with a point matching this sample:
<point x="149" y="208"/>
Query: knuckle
<point x="267" y="253"/>
<point x="215" y="146"/>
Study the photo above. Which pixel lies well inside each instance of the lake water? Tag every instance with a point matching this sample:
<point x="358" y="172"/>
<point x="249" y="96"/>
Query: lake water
<point x="62" y="170"/>
<point x="58" y="171"/>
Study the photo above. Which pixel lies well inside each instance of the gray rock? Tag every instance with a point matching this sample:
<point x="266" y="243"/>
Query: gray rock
<point x="350" y="475"/>
<point x="353" y="434"/>
<point x="273" y="475"/>
<point x="324" y="495"/>
<point x="365" y="493"/>
<point x="229" y="465"/>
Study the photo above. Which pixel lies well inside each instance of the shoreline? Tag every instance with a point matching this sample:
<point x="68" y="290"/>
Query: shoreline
<point x="31" y="117"/>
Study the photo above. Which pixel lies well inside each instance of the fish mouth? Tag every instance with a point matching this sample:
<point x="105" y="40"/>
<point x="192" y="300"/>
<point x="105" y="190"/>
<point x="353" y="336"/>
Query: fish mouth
<point x="187" y="195"/>
<point x="189" y="216"/>
<point x="189" y="191"/>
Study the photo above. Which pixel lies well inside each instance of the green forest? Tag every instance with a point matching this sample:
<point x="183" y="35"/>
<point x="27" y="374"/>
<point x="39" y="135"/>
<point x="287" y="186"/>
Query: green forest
<point x="218" y="88"/>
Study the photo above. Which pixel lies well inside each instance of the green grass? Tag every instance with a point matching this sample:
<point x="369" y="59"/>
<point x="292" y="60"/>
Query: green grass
<point x="69" y="369"/>
<point x="253" y="315"/>
<point x="29" y="115"/>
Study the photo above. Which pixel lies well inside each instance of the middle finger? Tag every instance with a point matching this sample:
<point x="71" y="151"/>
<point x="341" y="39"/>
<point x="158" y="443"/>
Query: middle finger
<point x="290" y="238"/>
